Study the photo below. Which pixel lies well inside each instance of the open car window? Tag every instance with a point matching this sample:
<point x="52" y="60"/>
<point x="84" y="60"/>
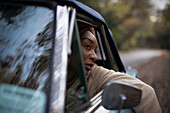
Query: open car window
<point x="25" y="47"/>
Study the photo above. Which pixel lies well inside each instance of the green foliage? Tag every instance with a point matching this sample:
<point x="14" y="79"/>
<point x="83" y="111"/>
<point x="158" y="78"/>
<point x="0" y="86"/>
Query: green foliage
<point x="129" y="21"/>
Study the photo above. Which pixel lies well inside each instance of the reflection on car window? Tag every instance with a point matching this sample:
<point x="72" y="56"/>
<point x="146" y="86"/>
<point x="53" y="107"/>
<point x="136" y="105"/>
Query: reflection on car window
<point x="25" y="46"/>
<point x="101" y="52"/>
<point x="76" y="93"/>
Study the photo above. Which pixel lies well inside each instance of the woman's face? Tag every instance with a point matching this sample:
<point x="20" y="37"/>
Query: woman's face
<point x="89" y="46"/>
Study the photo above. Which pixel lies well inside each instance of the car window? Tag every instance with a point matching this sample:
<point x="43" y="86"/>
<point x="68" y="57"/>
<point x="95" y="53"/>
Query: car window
<point x="25" y="47"/>
<point x="76" y="91"/>
<point x="105" y="57"/>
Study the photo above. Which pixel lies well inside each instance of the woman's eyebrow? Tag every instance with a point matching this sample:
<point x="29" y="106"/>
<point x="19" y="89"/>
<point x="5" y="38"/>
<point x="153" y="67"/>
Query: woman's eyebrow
<point x="85" y="38"/>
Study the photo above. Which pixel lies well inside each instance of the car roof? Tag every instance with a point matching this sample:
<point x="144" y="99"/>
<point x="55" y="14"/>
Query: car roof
<point x="85" y="9"/>
<point x="88" y="10"/>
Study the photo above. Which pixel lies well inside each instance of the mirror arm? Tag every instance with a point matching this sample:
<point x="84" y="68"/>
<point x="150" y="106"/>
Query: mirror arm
<point x="123" y="98"/>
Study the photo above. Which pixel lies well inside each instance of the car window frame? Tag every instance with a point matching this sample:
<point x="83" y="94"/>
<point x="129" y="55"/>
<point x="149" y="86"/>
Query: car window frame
<point x="114" y="50"/>
<point x="107" y="50"/>
<point x="84" y="95"/>
<point x="58" y="80"/>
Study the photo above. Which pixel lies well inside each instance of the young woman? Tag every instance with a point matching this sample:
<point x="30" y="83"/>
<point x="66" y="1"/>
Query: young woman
<point x="98" y="76"/>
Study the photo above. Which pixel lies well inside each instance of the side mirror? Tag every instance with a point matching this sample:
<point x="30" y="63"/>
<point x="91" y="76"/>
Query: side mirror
<point x="119" y="95"/>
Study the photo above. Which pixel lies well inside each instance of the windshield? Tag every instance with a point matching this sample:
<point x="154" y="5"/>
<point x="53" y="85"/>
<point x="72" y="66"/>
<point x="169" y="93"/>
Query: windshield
<point x="25" y="46"/>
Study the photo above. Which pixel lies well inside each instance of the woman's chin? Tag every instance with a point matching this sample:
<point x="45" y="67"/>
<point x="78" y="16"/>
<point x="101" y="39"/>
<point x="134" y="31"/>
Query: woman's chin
<point x="87" y="73"/>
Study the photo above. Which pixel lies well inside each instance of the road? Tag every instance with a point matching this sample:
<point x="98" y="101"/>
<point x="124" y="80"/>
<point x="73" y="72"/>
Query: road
<point x="153" y="67"/>
<point x="139" y="56"/>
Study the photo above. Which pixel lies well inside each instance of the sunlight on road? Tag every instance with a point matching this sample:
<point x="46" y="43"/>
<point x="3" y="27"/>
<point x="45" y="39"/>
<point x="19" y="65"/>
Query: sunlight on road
<point x="138" y="57"/>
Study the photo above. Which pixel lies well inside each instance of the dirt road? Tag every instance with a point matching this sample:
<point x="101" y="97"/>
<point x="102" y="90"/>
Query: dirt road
<point x="156" y="73"/>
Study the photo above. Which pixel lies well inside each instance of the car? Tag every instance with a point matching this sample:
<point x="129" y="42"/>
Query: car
<point x="41" y="55"/>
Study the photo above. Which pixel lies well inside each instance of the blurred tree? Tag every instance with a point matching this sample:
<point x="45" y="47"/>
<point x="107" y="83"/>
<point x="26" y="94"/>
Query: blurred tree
<point x="162" y="28"/>
<point x="128" y="20"/>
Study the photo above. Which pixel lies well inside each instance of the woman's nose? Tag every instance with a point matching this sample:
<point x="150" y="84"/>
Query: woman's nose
<point x="93" y="56"/>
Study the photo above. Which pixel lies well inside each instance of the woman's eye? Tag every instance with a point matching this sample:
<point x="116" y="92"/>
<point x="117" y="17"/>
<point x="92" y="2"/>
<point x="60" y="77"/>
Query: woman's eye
<point x="87" y="47"/>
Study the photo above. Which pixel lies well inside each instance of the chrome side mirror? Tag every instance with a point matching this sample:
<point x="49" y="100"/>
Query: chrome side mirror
<point x="119" y="95"/>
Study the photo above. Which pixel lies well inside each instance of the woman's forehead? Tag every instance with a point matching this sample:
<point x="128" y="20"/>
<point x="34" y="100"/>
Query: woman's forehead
<point x="87" y="35"/>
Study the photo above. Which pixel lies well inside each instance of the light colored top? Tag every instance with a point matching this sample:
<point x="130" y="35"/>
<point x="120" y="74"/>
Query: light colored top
<point x="99" y="76"/>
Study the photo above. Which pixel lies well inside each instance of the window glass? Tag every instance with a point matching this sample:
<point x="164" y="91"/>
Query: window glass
<point x="100" y="51"/>
<point x="25" y="46"/>
<point x="105" y="57"/>
<point x="77" y="92"/>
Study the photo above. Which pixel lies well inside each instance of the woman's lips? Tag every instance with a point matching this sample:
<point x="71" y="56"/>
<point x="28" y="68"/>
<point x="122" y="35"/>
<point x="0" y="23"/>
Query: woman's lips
<point x="88" y="66"/>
